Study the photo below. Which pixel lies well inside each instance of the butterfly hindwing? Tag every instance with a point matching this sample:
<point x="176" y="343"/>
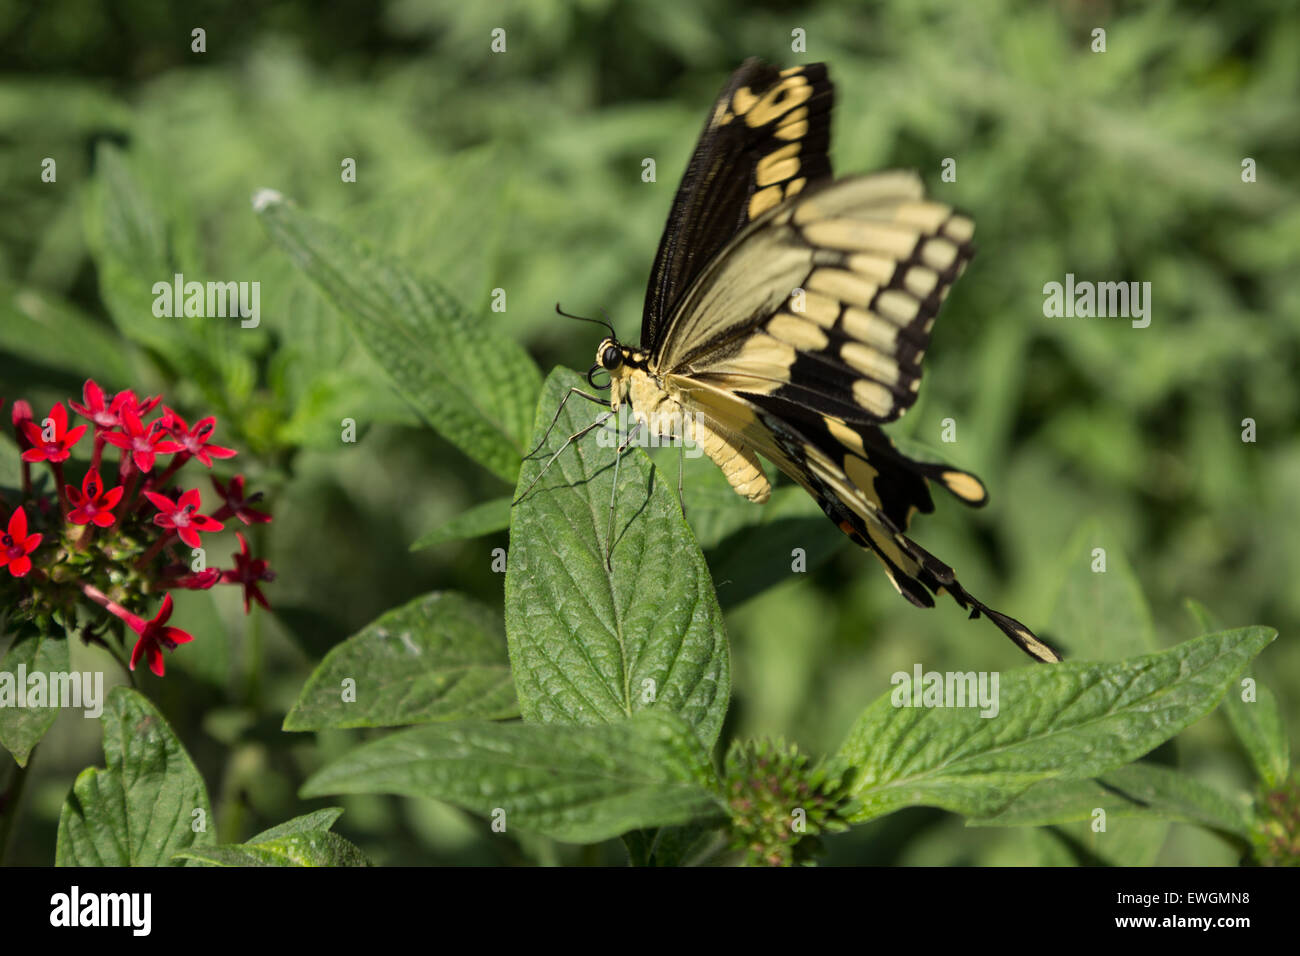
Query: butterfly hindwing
<point x="767" y="137"/>
<point x="866" y="486"/>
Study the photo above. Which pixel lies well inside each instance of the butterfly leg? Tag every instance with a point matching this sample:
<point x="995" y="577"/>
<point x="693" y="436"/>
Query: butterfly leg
<point x="567" y="442"/>
<point x="613" y="497"/>
<point x="564" y="401"/>
<point x="681" y="467"/>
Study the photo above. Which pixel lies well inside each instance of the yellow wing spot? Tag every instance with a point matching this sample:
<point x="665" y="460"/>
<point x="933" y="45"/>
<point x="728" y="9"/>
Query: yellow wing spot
<point x="795" y="186"/>
<point x="822" y="309"/>
<point x="845" y="435"/>
<point x="869" y="328"/>
<point x="722" y="116"/>
<point x="964" y="486"/>
<point x="939" y="253"/>
<point x="870" y="362"/>
<point x="855" y="235"/>
<point x="791" y="92"/>
<point x="959" y="229"/>
<point x="879" y="269"/>
<point x="861" y="474"/>
<point x="763" y="200"/>
<point x="843" y="285"/>
<point x="795" y="331"/>
<point x="791" y="131"/>
<point x="920" y="281"/>
<point x="743" y="100"/>
<point x="873" y="396"/>
<point x="794" y="116"/>
<point x="778" y="165"/>
<point x="896" y="306"/>
<point x="926" y="216"/>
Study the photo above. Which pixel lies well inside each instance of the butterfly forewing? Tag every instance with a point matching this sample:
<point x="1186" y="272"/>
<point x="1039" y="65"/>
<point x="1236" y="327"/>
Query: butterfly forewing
<point x="827" y="301"/>
<point x="766" y="138"/>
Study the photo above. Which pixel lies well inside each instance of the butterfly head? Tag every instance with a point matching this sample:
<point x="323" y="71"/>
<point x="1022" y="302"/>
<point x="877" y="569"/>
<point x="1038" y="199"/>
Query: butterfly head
<point x="618" y="361"/>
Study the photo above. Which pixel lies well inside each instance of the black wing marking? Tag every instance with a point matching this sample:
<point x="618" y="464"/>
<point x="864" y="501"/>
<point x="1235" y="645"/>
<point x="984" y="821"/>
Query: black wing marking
<point x="766" y="138"/>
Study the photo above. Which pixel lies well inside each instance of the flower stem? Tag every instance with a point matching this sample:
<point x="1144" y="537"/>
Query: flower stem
<point x="163" y="541"/>
<point x="57" y="468"/>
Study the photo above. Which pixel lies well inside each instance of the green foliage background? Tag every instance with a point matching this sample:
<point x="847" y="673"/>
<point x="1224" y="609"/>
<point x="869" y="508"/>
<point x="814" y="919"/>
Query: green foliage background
<point x="522" y="171"/>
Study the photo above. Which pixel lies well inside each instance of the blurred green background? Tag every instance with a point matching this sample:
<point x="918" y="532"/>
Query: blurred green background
<point x="522" y="171"/>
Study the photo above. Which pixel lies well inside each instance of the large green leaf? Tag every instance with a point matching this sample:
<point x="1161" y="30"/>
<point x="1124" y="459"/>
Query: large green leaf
<point x="1070" y="720"/>
<point x="473" y="385"/>
<point x="147" y="806"/>
<point x="21" y="728"/>
<point x="1138" y="790"/>
<point x="438" y="657"/>
<point x="577" y="784"/>
<point x="588" y="645"/>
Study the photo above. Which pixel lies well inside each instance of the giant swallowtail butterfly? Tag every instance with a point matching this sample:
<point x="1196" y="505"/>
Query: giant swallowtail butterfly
<point x="787" y="315"/>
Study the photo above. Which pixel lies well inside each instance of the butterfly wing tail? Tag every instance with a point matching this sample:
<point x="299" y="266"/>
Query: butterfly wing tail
<point x="917" y="574"/>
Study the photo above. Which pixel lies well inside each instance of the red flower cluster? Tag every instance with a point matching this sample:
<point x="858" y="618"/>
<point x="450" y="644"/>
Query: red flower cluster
<point x="116" y="546"/>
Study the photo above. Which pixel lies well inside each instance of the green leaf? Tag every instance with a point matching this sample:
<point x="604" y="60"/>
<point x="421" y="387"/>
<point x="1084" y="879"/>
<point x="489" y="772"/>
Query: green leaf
<point x="1100" y="615"/>
<point x="1261" y="728"/>
<point x="1138" y="790"/>
<point x="438" y="657"/>
<point x="486" y="518"/>
<point x="141" y="809"/>
<point x="305" y="848"/>
<point x="588" y="646"/>
<point x="43" y="329"/>
<point x="1072" y="720"/>
<point x="129" y="235"/>
<point x="21" y="728"/>
<point x="1258" y="723"/>
<point x="474" y="386"/>
<point x="308" y="822"/>
<point x="576" y="784"/>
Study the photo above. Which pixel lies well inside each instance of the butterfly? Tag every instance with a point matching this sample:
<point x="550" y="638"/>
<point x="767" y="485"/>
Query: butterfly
<point x="787" y="316"/>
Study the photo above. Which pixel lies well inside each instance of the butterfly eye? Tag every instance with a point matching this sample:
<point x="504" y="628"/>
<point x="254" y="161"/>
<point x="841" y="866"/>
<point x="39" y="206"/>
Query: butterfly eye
<point x="611" y="358"/>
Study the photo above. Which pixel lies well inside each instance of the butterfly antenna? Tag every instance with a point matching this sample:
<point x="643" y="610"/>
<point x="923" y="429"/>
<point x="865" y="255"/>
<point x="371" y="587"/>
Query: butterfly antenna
<point x="584" y="318"/>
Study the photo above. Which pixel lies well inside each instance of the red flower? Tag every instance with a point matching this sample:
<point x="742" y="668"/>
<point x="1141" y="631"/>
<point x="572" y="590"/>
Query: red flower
<point x="92" y="504"/>
<point x="154" y="636"/>
<point x="247" y="572"/>
<point x="59" y="446"/>
<point x="143" y="445"/>
<point x="236" y="504"/>
<point x="194" y="581"/>
<point x="182" y="516"/>
<point x="109" y="415"/>
<point x="196" y="442"/>
<point x="16" y="544"/>
<point x="22" y="413"/>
